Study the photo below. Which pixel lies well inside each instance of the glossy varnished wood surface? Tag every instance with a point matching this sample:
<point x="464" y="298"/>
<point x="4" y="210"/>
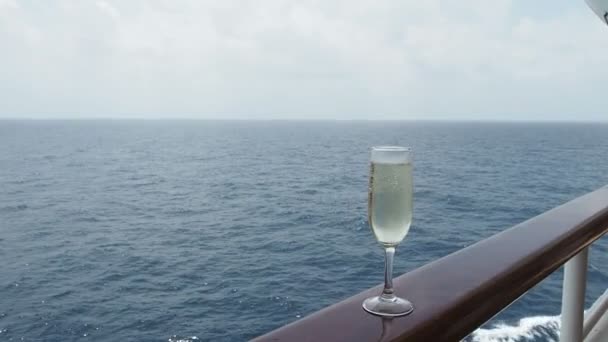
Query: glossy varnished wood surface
<point x="457" y="293"/>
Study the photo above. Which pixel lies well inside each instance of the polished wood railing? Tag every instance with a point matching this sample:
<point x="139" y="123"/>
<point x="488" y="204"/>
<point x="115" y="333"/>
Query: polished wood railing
<point x="456" y="294"/>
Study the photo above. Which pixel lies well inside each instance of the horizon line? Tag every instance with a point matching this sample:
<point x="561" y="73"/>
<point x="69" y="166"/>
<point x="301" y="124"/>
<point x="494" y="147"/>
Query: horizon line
<point x="302" y="119"/>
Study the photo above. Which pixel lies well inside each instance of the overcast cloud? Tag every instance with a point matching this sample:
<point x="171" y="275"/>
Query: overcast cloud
<point x="384" y="59"/>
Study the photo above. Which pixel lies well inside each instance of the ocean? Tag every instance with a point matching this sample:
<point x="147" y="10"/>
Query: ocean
<point x="224" y="230"/>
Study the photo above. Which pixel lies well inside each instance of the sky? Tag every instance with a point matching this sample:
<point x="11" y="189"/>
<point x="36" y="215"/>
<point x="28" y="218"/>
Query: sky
<point x="304" y="59"/>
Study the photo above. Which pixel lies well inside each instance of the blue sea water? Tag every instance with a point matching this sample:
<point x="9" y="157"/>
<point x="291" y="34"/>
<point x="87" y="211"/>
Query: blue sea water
<point x="222" y="231"/>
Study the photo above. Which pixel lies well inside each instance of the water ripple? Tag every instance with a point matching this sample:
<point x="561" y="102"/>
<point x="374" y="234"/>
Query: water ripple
<point x="221" y="231"/>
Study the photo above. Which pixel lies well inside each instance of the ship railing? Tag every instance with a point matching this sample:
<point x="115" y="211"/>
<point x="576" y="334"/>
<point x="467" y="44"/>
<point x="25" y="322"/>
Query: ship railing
<point x="456" y="294"/>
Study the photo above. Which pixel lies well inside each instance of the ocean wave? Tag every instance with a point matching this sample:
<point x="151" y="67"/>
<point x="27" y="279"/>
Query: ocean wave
<point x="137" y="238"/>
<point x="176" y="338"/>
<point x="13" y="208"/>
<point x="534" y="328"/>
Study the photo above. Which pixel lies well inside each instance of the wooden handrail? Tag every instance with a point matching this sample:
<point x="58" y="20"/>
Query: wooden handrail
<point x="454" y="295"/>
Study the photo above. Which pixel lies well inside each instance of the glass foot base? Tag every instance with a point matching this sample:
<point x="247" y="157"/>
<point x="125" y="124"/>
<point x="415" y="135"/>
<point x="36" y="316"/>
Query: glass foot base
<point x="392" y="307"/>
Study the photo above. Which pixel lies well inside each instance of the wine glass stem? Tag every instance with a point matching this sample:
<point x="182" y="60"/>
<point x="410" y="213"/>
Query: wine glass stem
<point x="388" y="293"/>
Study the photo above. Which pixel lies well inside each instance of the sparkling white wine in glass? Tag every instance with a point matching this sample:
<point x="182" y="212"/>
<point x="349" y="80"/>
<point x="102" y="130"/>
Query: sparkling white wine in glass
<point x="390" y="201"/>
<point x="390" y="216"/>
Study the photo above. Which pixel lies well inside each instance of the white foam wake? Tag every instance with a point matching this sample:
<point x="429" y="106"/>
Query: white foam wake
<point x="535" y="328"/>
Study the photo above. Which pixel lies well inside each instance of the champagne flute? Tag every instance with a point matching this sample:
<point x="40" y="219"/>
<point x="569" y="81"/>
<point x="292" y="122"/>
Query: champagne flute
<point x="390" y="216"/>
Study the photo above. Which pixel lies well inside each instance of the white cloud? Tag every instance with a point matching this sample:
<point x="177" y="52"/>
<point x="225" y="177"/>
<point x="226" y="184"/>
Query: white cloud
<point x="305" y="59"/>
<point x="109" y="9"/>
<point x="8" y="4"/>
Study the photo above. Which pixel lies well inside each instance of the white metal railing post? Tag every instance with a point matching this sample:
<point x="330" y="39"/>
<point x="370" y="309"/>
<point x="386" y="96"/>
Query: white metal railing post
<point x="596" y="322"/>
<point x="573" y="297"/>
